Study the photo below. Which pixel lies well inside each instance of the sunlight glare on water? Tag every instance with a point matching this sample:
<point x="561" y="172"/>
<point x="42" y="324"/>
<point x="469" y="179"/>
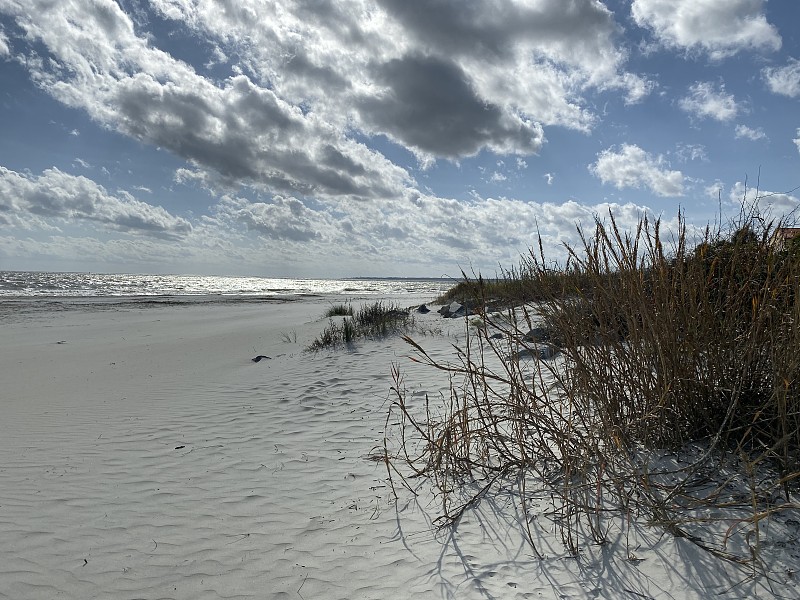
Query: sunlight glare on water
<point x="88" y="285"/>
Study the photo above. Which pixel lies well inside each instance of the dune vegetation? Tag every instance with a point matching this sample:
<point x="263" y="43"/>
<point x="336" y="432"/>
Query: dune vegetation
<point x="648" y="377"/>
<point x="370" y="321"/>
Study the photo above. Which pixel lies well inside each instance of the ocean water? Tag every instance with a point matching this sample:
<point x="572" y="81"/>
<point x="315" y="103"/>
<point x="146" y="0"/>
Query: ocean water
<point x="31" y="285"/>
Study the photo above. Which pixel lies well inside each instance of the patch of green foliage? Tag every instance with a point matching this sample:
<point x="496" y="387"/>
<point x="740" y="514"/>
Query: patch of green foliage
<point x="376" y="320"/>
<point x="340" y="310"/>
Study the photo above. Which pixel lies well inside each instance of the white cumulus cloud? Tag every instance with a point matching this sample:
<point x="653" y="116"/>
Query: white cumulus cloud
<point x="784" y="80"/>
<point x="630" y="166"/>
<point x="5" y="49"/>
<point x="706" y="100"/>
<point x="772" y="205"/>
<point x="745" y="132"/>
<point x="691" y="152"/>
<point x="720" y="28"/>
<point x="60" y="197"/>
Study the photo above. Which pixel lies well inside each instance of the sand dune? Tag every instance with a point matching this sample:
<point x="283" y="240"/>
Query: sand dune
<point x="145" y="455"/>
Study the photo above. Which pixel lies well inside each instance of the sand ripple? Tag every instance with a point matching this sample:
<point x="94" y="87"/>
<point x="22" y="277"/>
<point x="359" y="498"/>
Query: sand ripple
<point x="159" y="472"/>
<point x="254" y="486"/>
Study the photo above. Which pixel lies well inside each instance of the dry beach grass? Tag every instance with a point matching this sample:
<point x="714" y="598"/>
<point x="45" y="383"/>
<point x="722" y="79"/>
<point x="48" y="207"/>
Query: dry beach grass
<point x="659" y="385"/>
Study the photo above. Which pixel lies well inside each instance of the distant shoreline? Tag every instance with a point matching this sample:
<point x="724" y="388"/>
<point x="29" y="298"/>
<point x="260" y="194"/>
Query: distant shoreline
<point x="14" y="308"/>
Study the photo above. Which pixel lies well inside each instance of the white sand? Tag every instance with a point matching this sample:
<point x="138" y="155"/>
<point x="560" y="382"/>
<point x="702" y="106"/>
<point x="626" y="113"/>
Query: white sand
<point x="147" y="456"/>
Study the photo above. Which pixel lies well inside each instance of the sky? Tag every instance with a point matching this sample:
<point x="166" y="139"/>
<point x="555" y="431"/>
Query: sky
<point x="338" y="138"/>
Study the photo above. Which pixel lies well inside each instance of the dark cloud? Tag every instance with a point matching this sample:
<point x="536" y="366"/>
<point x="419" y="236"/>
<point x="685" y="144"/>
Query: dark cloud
<point x="243" y="132"/>
<point x="189" y="124"/>
<point x="454" y="25"/>
<point x="299" y="65"/>
<point x="496" y="28"/>
<point x="333" y="156"/>
<point x="429" y="105"/>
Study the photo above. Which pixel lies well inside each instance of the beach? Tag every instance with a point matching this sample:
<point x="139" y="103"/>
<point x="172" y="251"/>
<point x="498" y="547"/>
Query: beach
<point x="220" y="221"/>
<point x="146" y="455"/>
